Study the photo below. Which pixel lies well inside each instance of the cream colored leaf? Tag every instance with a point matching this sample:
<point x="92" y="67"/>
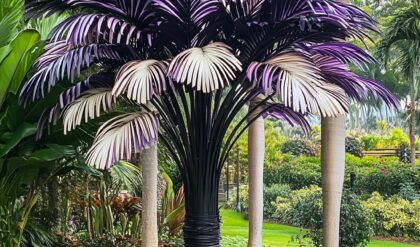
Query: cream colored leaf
<point x="87" y="107"/>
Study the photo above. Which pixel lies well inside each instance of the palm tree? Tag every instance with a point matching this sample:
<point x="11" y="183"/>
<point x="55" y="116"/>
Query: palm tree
<point x="401" y="43"/>
<point x="198" y="63"/>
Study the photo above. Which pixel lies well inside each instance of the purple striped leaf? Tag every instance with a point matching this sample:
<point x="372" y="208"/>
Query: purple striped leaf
<point x="68" y="66"/>
<point x="205" y="68"/>
<point x="120" y="137"/>
<point x="286" y="114"/>
<point x="89" y="106"/>
<point x="142" y="80"/>
<point x="299" y="84"/>
<point x="85" y="29"/>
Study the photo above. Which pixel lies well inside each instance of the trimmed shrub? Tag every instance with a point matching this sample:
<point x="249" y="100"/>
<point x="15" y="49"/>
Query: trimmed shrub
<point x="271" y="194"/>
<point x="299" y="147"/>
<point x="304" y="209"/>
<point x="354" y="147"/>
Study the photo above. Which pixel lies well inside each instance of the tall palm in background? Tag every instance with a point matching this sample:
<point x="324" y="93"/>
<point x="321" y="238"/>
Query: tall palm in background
<point x="400" y="44"/>
<point x="197" y="63"/>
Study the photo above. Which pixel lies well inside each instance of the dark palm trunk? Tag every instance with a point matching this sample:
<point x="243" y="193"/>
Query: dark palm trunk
<point x="202" y="220"/>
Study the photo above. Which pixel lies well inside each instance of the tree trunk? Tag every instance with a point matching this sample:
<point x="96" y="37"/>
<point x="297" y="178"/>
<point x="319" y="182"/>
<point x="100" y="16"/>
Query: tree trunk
<point x="412" y="127"/>
<point x="333" y="164"/>
<point x="149" y="229"/>
<point x="256" y="148"/>
<point x="202" y="221"/>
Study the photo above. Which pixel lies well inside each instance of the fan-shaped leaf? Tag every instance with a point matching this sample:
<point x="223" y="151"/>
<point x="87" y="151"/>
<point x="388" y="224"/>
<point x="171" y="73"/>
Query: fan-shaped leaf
<point x="87" y="107"/>
<point x="299" y="84"/>
<point x="52" y="115"/>
<point x="205" y="69"/>
<point x="141" y="80"/>
<point x="122" y="136"/>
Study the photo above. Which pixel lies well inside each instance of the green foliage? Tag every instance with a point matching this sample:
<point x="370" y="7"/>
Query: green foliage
<point x="385" y="175"/>
<point x="13" y="68"/>
<point x="297" y="172"/>
<point x="299" y="147"/>
<point x="353" y="147"/>
<point x="243" y="199"/>
<point x="394" y="139"/>
<point x="304" y="208"/>
<point x="271" y="194"/>
<point x="370" y="141"/>
<point x="394" y="216"/>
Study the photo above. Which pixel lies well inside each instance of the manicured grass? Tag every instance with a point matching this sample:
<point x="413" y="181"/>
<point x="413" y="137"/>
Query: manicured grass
<point x="234" y="225"/>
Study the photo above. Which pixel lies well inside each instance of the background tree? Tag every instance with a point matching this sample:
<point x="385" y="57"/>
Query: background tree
<point x="198" y="63"/>
<point x="401" y="45"/>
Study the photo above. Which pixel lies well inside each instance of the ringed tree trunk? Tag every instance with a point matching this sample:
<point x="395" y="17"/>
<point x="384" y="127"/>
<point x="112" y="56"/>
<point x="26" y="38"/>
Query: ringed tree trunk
<point x="333" y="163"/>
<point x="412" y="127"/>
<point x="149" y="228"/>
<point x="256" y="149"/>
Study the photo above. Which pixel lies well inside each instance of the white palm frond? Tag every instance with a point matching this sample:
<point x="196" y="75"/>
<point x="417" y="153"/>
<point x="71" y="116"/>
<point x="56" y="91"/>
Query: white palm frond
<point x="120" y="137"/>
<point x="141" y="80"/>
<point x="299" y="84"/>
<point x="87" y="107"/>
<point x="205" y="68"/>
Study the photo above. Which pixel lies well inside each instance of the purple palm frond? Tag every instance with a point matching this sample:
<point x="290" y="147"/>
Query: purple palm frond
<point x="336" y="72"/>
<point x="38" y="8"/>
<point x="346" y="53"/>
<point x="245" y="10"/>
<point x="142" y="80"/>
<point x="205" y="68"/>
<point x="53" y="114"/>
<point x="184" y="11"/>
<point x="340" y="16"/>
<point x="85" y="29"/>
<point x="299" y="84"/>
<point x="137" y="10"/>
<point x="122" y="136"/>
<point x="68" y="66"/>
<point x="284" y="113"/>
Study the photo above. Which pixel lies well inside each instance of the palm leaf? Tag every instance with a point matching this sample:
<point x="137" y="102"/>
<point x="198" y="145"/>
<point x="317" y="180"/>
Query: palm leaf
<point x="206" y="69"/>
<point x="141" y="80"/>
<point x="286" y="114"/>
<point x="68" y="96"/>
<point x="85" y="29"/>
<point x="64" y="64"/>
<point x="299" y="84"/>
<point x="88" y="106"/>
<point x="122" y="136"/>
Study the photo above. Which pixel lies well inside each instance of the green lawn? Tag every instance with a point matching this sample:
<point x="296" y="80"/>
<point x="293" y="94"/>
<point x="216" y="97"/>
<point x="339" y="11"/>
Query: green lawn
<point x="234" y="225"/>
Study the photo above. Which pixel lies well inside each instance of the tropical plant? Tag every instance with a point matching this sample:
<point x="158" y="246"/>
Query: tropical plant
<point x="401" y="45"/>
<point x="197" y="63"/>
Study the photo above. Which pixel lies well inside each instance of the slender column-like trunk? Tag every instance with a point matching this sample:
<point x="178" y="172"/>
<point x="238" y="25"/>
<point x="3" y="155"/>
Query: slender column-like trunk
<point x="412" y="127"/>
<point x="332" y="162"/>
<point x="149" y="229"/>
<point x="256" y="148"/>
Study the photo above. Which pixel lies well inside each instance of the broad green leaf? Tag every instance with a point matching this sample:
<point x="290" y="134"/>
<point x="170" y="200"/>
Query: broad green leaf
<point x="21" y="55"/>
<point x="24" y="130"/>
<point x="4" y="51"/>
<point x="11" y="14"/>
<point x="53" y="152"/>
